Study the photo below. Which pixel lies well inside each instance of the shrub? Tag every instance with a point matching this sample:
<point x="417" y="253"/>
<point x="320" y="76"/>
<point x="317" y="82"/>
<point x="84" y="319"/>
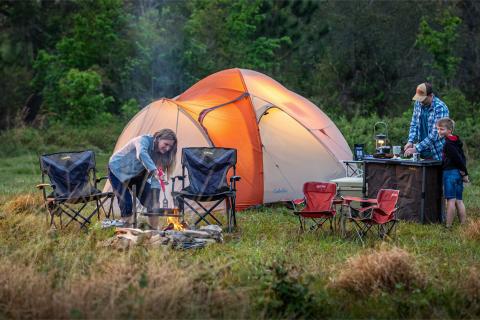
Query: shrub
<point x="285" y="294"/>
<point x="379" y="270"/>
<point x="470" y="286"/>
<point x="82" y="96"/>
<point x="472" y="230"/>
<point x="360" y="130"/>
<point x="25" y="203"/>
<point x="129" y="109"/>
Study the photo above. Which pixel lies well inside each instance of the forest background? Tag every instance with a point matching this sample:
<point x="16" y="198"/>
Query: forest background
<point x="67" y="65"/>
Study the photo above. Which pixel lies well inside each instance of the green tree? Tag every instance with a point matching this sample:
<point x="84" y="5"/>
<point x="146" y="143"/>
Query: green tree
<point x="96" y="42"/>
<point x="82" y="96"/>
<point x="441" y="43"/>
<point x="25" y="28"/>
<point x="222" y="34"/>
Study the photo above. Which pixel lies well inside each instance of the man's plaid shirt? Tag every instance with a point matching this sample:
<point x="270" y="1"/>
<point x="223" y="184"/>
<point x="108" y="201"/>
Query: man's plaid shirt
<point x="437" y="110"/>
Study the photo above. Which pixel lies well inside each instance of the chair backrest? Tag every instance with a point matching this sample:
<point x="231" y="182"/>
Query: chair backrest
<point x="207" y="168"/>
<point x="69" y="172"/>
<point x="387" y="200"/>
<point x="319" y="196"/>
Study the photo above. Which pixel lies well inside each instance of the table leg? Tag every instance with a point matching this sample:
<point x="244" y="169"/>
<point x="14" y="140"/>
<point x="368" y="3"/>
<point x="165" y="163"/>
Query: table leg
<point x="422" y="202"/>
<point x="342" y="222"/>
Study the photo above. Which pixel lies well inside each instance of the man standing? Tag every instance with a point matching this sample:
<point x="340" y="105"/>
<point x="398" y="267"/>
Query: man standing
<point x="426" y="111"/>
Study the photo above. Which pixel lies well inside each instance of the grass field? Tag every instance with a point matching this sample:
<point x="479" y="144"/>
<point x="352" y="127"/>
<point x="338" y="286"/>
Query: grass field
<point x="264" y="270"/>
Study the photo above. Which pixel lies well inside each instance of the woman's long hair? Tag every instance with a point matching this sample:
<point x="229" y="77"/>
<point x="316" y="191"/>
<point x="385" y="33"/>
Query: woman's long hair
<point x="166" y="160"/>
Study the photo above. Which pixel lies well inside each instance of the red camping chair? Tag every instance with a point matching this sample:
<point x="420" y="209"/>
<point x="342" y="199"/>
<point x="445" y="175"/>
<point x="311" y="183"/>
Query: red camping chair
<point x="380" y="215"/>
<point x="319" y="208"/>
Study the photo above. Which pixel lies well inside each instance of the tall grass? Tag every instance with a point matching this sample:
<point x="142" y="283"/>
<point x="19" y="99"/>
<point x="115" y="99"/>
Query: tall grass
<point x="472" y="230"/>
<point x="60" y="137"/>
<point x="267" y="269"/>
<point x="380" y="270"/>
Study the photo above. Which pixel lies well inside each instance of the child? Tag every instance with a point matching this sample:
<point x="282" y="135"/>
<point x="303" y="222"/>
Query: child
<point x="454" y="170"/>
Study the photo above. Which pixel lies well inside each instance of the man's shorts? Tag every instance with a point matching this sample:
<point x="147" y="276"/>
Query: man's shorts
<point x="452" y="184"/>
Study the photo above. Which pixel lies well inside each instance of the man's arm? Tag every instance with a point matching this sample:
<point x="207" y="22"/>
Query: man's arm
<point x="440" y="111"/>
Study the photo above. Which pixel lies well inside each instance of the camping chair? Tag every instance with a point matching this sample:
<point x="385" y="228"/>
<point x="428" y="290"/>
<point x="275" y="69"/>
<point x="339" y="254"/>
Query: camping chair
<point x="319" y="205"/>
<point x="207" y="175"/>
<point x="73" y="182"/>
<point x="379" y="215"/>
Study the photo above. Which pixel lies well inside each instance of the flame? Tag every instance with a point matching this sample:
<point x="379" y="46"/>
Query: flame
<point x="177" y="225"/>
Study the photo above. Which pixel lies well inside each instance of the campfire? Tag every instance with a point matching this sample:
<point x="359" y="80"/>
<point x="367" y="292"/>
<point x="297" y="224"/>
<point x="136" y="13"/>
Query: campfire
<point x="173" y="223"/>
<point x="183" y="238"/>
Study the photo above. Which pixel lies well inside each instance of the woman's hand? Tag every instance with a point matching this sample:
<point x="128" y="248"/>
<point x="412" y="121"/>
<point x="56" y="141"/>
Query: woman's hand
<point x="161" y="176"/>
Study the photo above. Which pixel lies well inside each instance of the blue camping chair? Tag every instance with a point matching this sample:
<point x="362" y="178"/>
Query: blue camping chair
<point x="73" y="184"/>
<point x="207" y="176"/>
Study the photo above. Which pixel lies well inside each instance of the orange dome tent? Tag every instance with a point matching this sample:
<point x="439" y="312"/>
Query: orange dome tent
<point x="283" y="140"/>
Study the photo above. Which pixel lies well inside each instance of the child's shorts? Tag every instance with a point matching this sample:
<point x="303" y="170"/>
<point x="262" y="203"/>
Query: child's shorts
<point x="452" y="184"/>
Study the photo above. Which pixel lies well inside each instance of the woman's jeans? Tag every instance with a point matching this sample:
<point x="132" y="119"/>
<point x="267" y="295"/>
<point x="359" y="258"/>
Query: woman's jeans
<point x="149" y="197"/>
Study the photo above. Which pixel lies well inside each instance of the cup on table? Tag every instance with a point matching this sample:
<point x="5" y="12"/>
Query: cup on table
<point x="396" y="151"/>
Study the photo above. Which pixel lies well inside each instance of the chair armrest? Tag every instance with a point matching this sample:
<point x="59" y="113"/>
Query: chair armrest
<point x="349" y="199"/>
<point x="181" y="178"/>
<point x="297" y="202"/>
<point x="100" y="179"/>
<point x="337" y="201"/>
<point x="233" y="182"/>
<point x="44" y="185"/>
<point x="386" y="214"/>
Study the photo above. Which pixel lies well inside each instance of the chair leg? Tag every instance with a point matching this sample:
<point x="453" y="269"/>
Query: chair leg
<point x="110" y="208"/>
<point x="228" y="214"/>
<point x="234" y="212"/>
<point x="178" y="202"/>
<point x="391" y="226"/>
<point x="232" y="219"/>
<point x="52" y="213"/>
<point x="101" y="205"/>
<point x="302" y="226"/>
<point x="89" y="218"/>
<point x="196" y="212"/>
<point x="76" y="214"/>
<point x="97" y="202"/>
<point x="208" y="212"/>
<point x="360" y="231"/>
<point x="134" y="205"/>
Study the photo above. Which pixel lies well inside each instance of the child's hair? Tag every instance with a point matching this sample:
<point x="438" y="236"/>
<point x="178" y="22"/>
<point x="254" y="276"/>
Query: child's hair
<point x="167" y="160"/>
<point x="446" y="123"/>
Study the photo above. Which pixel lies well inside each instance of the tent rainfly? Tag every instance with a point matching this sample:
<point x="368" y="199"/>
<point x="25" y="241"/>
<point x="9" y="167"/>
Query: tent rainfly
<point x="283" y="139"/>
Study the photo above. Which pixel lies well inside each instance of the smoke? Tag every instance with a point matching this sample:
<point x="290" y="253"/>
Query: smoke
<point x="157" y="65"/>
